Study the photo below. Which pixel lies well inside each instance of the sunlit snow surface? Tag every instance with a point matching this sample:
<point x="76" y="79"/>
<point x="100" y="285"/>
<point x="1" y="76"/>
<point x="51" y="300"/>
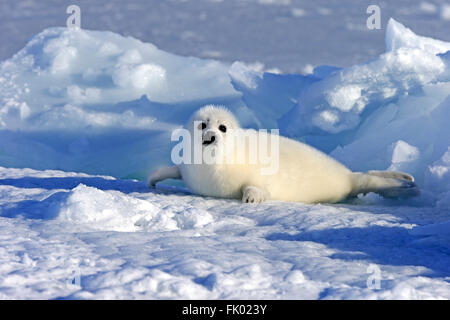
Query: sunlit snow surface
<point x="100" y="103"/>
<point x="66" y="235"/>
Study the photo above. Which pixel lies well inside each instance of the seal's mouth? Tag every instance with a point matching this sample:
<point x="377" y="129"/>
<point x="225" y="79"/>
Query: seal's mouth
<point x="206" y="142"/>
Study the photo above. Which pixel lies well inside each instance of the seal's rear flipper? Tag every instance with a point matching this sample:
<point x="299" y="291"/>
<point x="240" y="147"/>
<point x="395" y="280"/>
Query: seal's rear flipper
<point x="392" y="174"/>
<point x="408" y="189"/>
<point x="384" y="183"/>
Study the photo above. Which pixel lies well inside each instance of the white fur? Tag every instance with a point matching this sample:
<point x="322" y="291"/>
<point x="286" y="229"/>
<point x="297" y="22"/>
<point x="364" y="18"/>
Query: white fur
<point x="304" y="175"/>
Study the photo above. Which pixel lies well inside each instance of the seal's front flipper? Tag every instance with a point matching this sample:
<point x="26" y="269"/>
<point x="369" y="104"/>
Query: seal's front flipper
<point x="252" y="194"/>
<point x="163" y="174"/>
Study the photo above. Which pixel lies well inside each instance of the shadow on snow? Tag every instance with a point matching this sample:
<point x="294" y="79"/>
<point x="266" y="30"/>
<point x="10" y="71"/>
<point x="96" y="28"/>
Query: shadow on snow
<point x="382" y="245"/>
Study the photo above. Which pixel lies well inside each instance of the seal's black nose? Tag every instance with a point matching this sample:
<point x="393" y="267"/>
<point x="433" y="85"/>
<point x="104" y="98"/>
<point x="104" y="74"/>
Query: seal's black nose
<point x="212" y="139"/>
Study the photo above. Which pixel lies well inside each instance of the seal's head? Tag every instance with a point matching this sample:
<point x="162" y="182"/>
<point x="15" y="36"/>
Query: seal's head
<point x="213" y="122"/>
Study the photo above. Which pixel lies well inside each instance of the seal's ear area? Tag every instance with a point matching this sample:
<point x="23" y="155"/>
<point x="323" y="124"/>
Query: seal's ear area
<point x="215" y="115"/>
<point x="215" y="112"/>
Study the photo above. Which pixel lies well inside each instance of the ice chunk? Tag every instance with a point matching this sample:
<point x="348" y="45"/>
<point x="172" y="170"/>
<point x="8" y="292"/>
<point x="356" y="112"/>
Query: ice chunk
<point x="121" y="96"/>
<point x="404" y="156"/>
<point x="342" y="100"/>
<point x="266" y="94"/>
<point x="398" y="36"/>
<point x="437" y="175"/>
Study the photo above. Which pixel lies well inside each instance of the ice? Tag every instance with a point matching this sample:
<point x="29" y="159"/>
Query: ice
<point x="437" y="179"/>
<point x="398" y="36"/>
<point x="95" y="87"/>
<point x="341" y="101"/>
<point x="266" y="94"/>
<point x="404" y="157"/>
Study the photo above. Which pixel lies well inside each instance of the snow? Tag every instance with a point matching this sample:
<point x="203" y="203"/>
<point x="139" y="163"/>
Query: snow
<point x="69" y="235"/>
<point x="86" y="115"/>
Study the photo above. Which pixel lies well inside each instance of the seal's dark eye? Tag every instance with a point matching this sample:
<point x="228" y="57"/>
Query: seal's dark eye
<point x="202" y="126"/>
<point x="222" y="128"/>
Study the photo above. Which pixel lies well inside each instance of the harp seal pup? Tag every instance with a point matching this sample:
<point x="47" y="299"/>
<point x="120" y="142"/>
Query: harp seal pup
<point x="304" y="173"/>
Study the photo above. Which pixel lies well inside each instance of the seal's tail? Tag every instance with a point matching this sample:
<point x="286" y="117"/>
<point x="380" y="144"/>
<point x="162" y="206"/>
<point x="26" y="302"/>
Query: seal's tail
<point x="389" y="184"/>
